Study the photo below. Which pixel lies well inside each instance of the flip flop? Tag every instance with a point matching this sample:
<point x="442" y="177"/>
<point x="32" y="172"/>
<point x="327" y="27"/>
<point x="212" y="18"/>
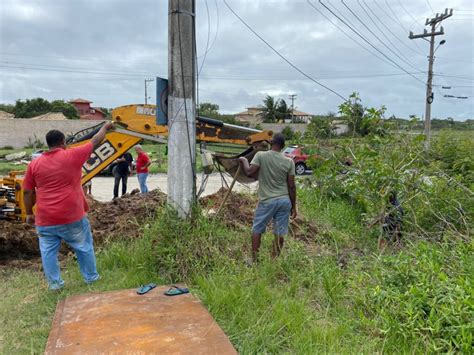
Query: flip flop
<point x="146" y="288"/>
<point x="175" y="291"/>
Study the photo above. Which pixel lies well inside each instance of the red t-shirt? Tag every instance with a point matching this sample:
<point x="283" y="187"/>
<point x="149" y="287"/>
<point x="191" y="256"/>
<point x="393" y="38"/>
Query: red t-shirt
<point x="56" y="176"/>
<point x="142" y="160"/>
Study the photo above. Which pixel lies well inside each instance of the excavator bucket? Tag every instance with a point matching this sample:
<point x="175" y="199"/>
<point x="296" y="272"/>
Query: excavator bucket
<point x="231" y="164"/>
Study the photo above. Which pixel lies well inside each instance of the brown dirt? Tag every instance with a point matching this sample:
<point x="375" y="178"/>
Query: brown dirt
<point x="119" y="218"/>
<point x="239" y="209"/>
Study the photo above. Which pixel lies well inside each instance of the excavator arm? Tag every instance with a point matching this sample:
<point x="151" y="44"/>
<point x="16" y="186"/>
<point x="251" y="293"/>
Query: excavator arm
<point x="133" y="123"/>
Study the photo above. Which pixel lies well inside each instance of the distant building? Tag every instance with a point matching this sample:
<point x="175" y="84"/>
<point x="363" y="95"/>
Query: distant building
<point x="85" y="111"/>
<point x="299" y="117"/>
<point x="254" y="116"/>
<point x="339" y="127"/>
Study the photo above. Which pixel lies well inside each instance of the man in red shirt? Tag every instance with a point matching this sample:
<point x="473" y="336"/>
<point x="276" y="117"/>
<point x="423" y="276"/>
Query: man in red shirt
<point x="53" y="182"/>
<point x="143" y="162"/>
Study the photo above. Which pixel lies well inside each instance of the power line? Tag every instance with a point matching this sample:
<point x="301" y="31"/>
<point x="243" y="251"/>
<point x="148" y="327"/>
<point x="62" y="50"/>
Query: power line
<point x="79" y="71"/>
<point x="354" y="29"/>
<point x="208" y="38"/>
<point x="431" y="7"/>
<point x="395" y="17"/>
<point x="388" y="28"/>
<point x="281" y="56"/>
<point x="346" y="34"/>
<point x="383" y="33"/>
<point x="408" y="13"/>
<point x="377" y="37"/>
<point x="358" y="34"/>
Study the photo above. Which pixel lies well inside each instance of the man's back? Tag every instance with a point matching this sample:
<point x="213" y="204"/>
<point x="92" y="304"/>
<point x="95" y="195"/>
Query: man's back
<point x="56" y="176"/>
<point x="273" y="174"/>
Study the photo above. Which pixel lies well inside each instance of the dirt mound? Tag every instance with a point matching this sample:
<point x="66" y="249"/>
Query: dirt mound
<point x="119" y="218"/>
<point x="239" y="209"/>
<point x="123" y="216"/>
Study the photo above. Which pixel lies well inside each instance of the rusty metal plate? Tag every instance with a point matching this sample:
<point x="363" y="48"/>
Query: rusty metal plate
<point x="120" y="322"/>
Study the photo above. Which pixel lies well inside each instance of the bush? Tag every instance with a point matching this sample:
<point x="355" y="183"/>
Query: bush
<point x="420" y="296"/>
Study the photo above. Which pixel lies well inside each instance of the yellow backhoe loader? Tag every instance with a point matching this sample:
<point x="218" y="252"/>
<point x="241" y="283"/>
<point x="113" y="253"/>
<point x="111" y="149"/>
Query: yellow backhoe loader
<point x="134" y="123"/>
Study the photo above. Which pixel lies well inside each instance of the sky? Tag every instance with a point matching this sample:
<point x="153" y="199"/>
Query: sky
<point x="103" y="50"/>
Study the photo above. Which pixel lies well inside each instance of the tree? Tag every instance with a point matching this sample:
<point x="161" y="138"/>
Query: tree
<point x="206" y="109"/>
<point x="318" y="128"/>
<point x="39" y="106"/>
<point x="362" y="120"/>
<point x="66" y="108"/>
<point x="288" y="133"/>
<point x="352" y="112"/>
<point x="283" y="111"/>
<point x="270" y="112"/>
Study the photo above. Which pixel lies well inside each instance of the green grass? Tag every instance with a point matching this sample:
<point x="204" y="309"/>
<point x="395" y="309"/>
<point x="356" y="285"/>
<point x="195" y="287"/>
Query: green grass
<point x="302" y="302"/>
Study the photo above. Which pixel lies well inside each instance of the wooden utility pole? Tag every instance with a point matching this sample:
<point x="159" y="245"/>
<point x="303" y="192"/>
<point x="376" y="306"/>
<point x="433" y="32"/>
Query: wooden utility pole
<point x="181" y="106"/>
<point x="429" y="87"/>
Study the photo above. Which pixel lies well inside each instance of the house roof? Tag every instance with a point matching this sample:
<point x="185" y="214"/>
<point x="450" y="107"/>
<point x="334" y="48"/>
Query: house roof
<point x="6" y="115"/>
<point x="99" y="110"/>
<point x="50" y="116"/>
<point x="300" y="113"/>
<point x="80" y="101"/>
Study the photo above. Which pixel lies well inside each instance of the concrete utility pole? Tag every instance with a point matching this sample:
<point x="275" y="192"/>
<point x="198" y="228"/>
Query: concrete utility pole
<point x="146" y="93"/>
<point x="181" y="106"/>
<point x="292" y="97"/>
<point x="429" y="87"/>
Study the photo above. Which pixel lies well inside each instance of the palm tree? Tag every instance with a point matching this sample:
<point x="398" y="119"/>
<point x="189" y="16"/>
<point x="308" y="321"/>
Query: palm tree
<point x="269" y="109"/>
<point x="283" y="111"/>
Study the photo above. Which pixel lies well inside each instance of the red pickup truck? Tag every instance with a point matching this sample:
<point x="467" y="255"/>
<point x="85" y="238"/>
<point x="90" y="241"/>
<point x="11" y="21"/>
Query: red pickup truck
<point x="299" y="157"/>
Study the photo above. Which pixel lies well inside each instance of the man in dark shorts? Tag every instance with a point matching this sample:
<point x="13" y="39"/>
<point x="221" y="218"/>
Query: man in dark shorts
<point x="276" y="193"/>
<point x="121" y="172"/>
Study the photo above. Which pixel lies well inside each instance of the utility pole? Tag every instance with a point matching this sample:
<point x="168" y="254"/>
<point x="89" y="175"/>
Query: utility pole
<point x="429" y="87"/>
<point x="146" y="94"/>
<point x="181" y="106"/>
<point x="292" y="97"/>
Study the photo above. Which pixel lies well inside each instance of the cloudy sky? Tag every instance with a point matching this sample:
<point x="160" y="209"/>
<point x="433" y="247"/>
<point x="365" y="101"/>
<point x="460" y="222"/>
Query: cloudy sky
<point x="102" y="50"/>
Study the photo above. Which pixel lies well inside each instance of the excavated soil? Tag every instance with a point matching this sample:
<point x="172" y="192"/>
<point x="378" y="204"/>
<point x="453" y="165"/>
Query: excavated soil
<point x="238" y="213"/>
<point x="119" y="218"/>
<point x="123" y="217"/>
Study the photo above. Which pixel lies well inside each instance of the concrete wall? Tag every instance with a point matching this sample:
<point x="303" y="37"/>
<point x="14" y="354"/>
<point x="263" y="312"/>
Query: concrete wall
<point x="16" y="132"/>
<point x="278" y="127"/>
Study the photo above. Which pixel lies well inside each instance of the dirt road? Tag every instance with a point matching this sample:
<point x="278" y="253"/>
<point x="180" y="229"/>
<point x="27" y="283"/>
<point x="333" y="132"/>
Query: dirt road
<point x="102" y="187"/>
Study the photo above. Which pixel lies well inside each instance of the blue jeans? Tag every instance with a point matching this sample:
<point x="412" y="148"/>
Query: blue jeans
<point x="277" y="209"/>
<point x="78" y="236"/>
<point x="142" y="181"/>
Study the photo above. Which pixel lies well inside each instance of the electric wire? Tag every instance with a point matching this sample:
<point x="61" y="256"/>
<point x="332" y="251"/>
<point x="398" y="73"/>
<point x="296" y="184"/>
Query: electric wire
<point x="383" y="33"/>
<point x="230" y="78"/>
<point x="208" y="38"/>
<point x="368" y="42"/>
<point x="409" y="14"/>
<point x="397" y="20"/>
<point x="388" y="28"/>
<point x="345" y="33"/>
<point x="378" y="38"/>
<point x="281" y="55"/>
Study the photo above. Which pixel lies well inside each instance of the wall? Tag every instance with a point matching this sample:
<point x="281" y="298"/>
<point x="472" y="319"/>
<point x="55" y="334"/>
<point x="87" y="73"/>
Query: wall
<point x="278" y="127"/>
<point x="16" y="132"/>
